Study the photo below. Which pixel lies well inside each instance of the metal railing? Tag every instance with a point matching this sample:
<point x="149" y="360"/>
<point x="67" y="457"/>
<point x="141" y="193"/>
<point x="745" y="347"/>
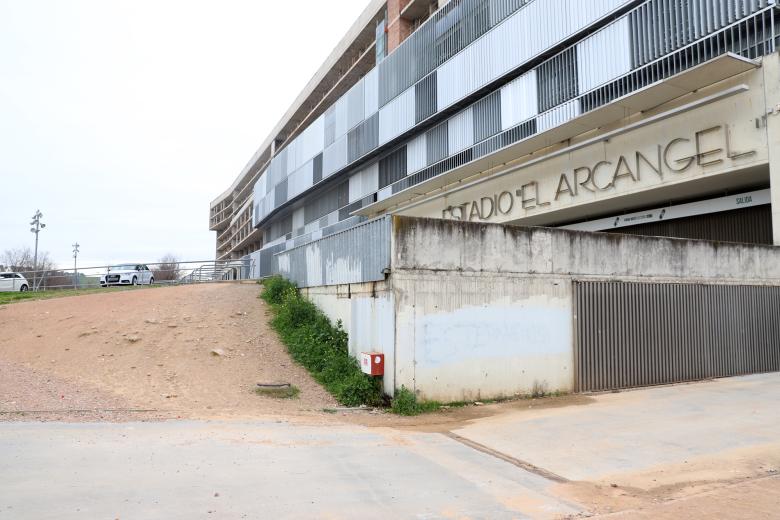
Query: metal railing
<point x="152" y="273"/>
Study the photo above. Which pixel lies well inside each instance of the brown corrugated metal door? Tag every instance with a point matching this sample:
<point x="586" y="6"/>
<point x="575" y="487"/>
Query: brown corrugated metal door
<point x="637" y="334"/>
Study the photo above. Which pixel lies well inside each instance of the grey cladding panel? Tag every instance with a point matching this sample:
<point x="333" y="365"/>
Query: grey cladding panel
<point x="425" y="98"/>
<point x="487" y="116"/>
<point x="437" y="143"/>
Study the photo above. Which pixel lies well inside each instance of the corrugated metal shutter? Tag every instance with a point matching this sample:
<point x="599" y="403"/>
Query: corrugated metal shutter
<point x="639" y="334"/>
<point x="519" y="100"/>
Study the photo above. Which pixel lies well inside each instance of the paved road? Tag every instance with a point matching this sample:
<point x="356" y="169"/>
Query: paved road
<point x="229" y="470"/>
<point x="706" y="434"/>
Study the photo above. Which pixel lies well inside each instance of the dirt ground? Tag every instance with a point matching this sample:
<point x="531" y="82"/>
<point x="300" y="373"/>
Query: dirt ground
<point x="147" y="354"/>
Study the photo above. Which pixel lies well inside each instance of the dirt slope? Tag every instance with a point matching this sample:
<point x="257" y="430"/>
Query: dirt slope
<point x="149" y="349"/>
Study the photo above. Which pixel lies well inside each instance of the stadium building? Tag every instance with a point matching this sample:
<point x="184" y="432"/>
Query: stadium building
<point x="653" y="123"/>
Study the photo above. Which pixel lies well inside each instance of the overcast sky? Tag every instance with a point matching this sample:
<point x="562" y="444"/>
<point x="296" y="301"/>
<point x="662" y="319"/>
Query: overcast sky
<point x="122" y="120"/>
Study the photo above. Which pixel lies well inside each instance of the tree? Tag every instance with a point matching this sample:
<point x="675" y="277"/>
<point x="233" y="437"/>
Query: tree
<point x="22" y="260"/>
<point x="167" y="268"/>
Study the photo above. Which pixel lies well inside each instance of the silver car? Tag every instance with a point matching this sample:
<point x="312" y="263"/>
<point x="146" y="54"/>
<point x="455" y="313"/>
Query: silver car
<point x="127" y="274"/>
<point x="13" y="282"/>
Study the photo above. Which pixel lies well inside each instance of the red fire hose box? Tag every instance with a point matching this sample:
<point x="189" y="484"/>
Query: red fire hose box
<point x="372" y="363"/>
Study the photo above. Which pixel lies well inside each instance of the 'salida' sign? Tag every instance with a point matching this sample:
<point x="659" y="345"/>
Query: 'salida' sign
<point x="711" y="146"/>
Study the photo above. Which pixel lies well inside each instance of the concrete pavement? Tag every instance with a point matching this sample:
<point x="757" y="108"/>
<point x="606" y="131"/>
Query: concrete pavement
<point x="670" y="451"/>
<point x="637" y="431"/>
<point x="228" y="470"/>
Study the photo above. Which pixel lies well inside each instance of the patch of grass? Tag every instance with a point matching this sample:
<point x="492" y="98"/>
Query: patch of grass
<point x="314" y="342"/>
<point x="282" y="392"/>
<point x="15" y="297"/>
<point x="406" y="403"/>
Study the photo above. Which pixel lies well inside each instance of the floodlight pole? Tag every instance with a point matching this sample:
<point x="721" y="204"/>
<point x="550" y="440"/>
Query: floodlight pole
<point x="75" y="270"/>
<point x="36" y="221"/>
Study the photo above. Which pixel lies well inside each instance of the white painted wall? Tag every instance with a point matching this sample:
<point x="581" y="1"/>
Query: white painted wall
<point x="367" y="313"/>
<point x="476" y="336"/>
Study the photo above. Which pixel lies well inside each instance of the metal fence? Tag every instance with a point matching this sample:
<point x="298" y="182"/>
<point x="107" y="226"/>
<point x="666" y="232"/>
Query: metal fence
<point x="639" y="334"/>
<point x="355" y="255"/>
<point x="136" y="273"/>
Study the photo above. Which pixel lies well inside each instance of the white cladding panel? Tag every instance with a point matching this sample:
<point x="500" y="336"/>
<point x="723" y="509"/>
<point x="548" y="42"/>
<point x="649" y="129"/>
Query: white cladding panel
<point x="300" y="180"/>
<point x="460" y="131"/>
<point x="604" y="56"/>
<point x="363" y="183"/>
<point x="297" y="219"/>
<point x="397" y="116"/>
<point x="371" y="92"/>
<point x="518" y="100"/>
<point x="308" y="144"/>
<point x="335" y="156"/>
<point x="416" y="154"/>
<point x="531" y="30"/>
<point x="558" y="115"/>
<point x="340" y="116"/>
<point x="355" y="104"/>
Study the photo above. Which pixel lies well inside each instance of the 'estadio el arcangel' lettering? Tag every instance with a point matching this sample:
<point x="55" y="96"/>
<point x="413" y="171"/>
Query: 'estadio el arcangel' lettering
<point x="668" y="159"/>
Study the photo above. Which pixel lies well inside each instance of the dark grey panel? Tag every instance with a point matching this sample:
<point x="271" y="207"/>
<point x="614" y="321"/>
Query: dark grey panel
<point x="392" y="167"/>
<point x="437" y="143"/>
<point x="425" y="98"/>
<point x="328" y="202"/>
<point x="317" y="167"/>
<point x="280" y="193"/>
<point x="557" y="79"/>
<point x="659" y="27"/>
<point x="363" y="138"/>
<point x="639" y="334"/>
<point x="487" y="116"/>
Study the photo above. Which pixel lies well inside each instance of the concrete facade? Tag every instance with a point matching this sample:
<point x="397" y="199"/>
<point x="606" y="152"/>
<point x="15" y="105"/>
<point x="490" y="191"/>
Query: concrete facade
<point x="720" y="139"/>
<point x="477" y="311"/>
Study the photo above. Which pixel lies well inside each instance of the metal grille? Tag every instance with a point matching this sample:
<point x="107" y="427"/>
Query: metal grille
<point x="557" y="79"/>
<point x="751" y="38"/>
<point x="358" y="254"/>
<point x="437" y="143"/>
<point x="487" y="116"/>
<point x="748" y="225"/>
<point x="425" y="98"/>
<point x="661" y="26"/>
<point x="639" y="334"/>
<point x="363" y="138"/>
<point x="392" y="167"/>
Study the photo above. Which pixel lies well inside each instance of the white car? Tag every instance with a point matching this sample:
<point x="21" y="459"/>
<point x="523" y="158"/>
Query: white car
<point x="127" y="274"/>
<point x="12" y="282"/>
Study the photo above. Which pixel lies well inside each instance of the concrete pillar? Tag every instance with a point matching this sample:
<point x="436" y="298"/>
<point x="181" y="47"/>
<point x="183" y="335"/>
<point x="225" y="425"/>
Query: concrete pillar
<point x="771" y="67"/>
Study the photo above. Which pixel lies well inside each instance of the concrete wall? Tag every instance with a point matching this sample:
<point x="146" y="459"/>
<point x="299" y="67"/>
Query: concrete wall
<point x="367" y="313"/>
<point x="485" y="310"/>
